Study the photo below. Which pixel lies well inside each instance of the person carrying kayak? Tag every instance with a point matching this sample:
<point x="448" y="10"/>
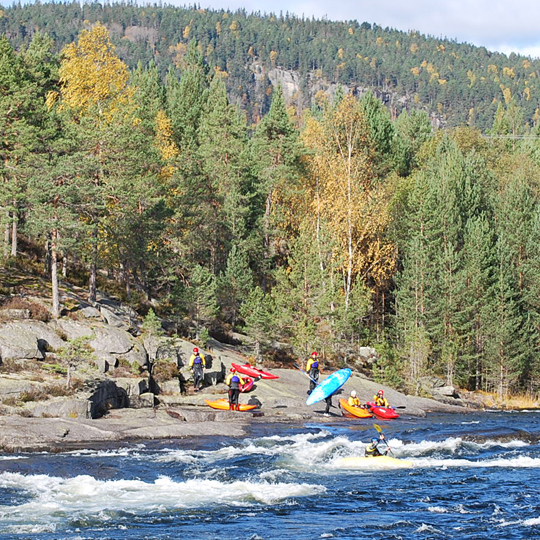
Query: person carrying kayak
<point x="372" y="449"/>
<point x="197" y="363"/>
<point x="313" y="370"/>
<point x="234" y="381"/>
<point x="380" y="400"/>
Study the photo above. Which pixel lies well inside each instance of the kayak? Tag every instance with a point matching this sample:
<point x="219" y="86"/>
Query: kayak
<point x="379" y="462"/>
<point x="330" y="385"/>
<point x="382" y="412"/>
<point x="359" y="412"/>
<point x="248" y="384"/>
<point x="223" y="405"/>
<point x="248" y="369"/>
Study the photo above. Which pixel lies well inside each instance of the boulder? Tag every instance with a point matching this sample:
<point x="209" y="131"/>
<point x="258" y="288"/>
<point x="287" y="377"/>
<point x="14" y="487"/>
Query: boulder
<point x="116" y="312"/>
<point x="27" y="339"/>
<point x="137" y="355"/>
<point x="63" y="408"/>
<point x="111" y="340"/>
<point x="107" y="395"/>
<point x="13" y="388"/>
<point x="143" y="401"/>
<point x="111" y="318"/>
<point x="15" y="314"/>
<point x="71" y="329"/>
<point x="133" y="387"/>
<point x="89" y="312"/>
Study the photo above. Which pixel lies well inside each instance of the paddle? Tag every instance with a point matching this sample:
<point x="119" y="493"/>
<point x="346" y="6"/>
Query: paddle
<point x="378" y="428"/>
<point x="305" y="373"/>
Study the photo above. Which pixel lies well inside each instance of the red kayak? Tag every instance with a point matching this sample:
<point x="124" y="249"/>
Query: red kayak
<point x="382" y="412"/>
<point x="248" y="384"/>
<point x="248" y="369"/>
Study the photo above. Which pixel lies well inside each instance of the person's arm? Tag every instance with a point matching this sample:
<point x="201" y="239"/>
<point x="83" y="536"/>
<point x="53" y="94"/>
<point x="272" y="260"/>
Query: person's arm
<point x="203" y="358"/>
<point x="191" y="359"/>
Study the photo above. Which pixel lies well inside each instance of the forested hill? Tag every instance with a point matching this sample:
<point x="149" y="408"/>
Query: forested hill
<point x="454" y="82"/>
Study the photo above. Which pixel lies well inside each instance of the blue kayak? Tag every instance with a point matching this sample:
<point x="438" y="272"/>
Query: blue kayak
<point x="329" y="386"/>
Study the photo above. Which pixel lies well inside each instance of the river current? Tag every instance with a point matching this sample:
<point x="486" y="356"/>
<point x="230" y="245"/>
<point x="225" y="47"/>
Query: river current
<point x="473" y="476"/>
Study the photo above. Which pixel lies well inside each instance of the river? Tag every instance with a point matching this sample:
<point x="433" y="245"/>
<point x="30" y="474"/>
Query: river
<point x="473" y="476"/>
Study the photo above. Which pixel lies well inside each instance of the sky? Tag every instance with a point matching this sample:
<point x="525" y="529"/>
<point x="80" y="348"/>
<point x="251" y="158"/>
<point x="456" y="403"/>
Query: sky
<point x="499" y="25"/>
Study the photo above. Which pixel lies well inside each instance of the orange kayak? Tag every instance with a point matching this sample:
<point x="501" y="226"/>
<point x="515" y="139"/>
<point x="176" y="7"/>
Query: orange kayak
<point x="355" y="411"/>
<point x="223" y="405"/>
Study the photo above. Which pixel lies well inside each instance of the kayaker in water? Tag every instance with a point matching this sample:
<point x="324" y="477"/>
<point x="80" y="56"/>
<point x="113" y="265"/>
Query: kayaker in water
<point x="197" y="363"/>
<point x="313" y="370"/>
<point x="234" y="381"/>
<point x="372" y="449"/>
<point x="380" y="400"/>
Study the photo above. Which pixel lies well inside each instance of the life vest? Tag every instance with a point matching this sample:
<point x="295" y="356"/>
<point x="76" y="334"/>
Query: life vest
<point x="197" y="360"/>
<point x="354" y="402"/>
<point x="380" y="401"/>
<point x="312" y="365"/>
<point x="372" y="450"/>
<point x="234" y="382"/>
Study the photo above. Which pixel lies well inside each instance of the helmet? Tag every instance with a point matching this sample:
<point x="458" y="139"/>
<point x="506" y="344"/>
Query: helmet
<point x="233" y="370"/>
<point x="195" y="349"/>
<point x="374" y="440"/>
<point x="353" y="393"/>
<point x="380" y="392"/>
<point x="314" y="353"/>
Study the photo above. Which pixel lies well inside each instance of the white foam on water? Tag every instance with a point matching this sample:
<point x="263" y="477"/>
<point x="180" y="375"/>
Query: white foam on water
<point x="12" y="458"/>
<point x="532" y="522"/>
<point x="451" y="445"/>
<point x="521" y="462"/>
<point x="55" y="499"/>
<point x="437" y="510"/>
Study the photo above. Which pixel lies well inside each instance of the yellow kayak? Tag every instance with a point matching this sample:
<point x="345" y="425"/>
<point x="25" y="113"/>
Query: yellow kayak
<point x="359" y="412"/>
<point x="379" y="462"/>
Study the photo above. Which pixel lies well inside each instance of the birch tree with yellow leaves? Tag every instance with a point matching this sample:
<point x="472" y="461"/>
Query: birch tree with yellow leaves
<point x="347" y="197"/>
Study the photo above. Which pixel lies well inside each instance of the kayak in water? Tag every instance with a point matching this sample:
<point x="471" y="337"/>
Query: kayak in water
<point x="223" y="405"/>
<point x="359" y="412"/>
<point x="379" y="462"/>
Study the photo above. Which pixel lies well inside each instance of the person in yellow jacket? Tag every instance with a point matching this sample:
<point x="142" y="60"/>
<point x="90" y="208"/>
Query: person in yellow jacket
<point x="197" y="363"/>
<point x="234" y="381"/>
<point x="372" y="449"/>
<point x="353" y="400"/>
<point x="313" y="369"/>
<point x="380" y="400"/>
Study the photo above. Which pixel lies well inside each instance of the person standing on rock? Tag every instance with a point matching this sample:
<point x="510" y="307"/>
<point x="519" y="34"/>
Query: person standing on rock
<point x="197" y="363"/>
<point x="313" y="370"/>
<point x="234" y="381"/>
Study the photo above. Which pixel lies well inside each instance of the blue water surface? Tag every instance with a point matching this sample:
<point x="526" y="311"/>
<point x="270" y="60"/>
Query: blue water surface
<point x="472" y="476"/>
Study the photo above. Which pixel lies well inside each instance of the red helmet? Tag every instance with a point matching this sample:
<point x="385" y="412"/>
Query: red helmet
<point x="233" y="370"/>
<point x="314" y="353"/>
<point x="195" y="349"/>
<point x="380" y="393"/>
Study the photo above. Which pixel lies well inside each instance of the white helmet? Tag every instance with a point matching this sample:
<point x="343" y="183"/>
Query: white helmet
<point x="353" y="393"/>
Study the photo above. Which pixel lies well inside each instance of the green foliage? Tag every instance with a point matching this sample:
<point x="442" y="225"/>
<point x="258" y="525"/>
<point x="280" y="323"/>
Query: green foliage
<point x="151" y="324"/>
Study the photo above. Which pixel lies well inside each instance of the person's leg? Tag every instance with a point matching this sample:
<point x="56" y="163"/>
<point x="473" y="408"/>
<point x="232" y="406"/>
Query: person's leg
<point x="328" y="404"/>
